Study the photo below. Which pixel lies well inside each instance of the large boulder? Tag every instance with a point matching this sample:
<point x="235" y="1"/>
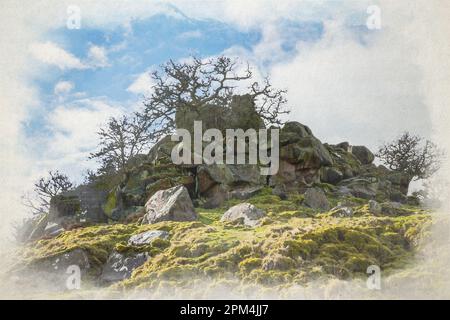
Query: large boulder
<point x="364" y="155"/>
<point x="173" y="204"/>
<point x="240" y="114"/>
<point x="244" y="213"/>
<point x="120" y="266"/>
<point x="211" y="116"/>
<point x="228" y="175"/>
<point x="82" y="203"/>
<point x="58" y="273"/>
<point x="315" y="198"/>
<point x="219" y="182"/>
<point x="331" y="175"/>
<point x="301" y="157"/>
<point x="243" y="114"/>
<point x="64" y="205"/>
<point x="365" y="188"/>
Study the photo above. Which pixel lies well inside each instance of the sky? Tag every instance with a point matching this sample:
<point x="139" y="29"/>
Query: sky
<point x="346" y="81"/>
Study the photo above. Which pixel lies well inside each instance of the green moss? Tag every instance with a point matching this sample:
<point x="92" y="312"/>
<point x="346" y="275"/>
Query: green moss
<point x="250" y="264"/>
<point x="293" y="245"/>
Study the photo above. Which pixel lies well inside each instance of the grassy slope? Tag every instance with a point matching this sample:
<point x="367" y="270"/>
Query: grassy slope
<point x="294" y="245"/>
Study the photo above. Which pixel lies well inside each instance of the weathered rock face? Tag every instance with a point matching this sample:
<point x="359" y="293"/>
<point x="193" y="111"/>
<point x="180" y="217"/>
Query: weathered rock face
<point x="62" y="206"/>
<point x="364" y="155"/>
<point x="240" y="114"/>
<point x="331" y="175"/>
<point x="85" y="202"/>
<point x="211" y="116"/>
<point x="301" y="157"/>
<point x="243" y="114"/>
<point x="344" y="162"/>
<point x="173" y="204"/>
<point x="119" y="266"/>
<point x="219" y="182"/>
<point x="244" y="213"/>
<point x="147" y="237"/>
<point x="162" y="150"/>
<point x="315" y="198"/>
<point x="365" y="188"/>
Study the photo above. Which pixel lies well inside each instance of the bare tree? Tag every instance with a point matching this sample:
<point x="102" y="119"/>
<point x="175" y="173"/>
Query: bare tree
<point x="122" y="139"/>
<point x="46" y="188"/>
<point x="411" y="155"/>
<point x="197" y="83"/>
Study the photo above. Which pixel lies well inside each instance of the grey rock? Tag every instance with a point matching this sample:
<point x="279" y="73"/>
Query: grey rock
<point x="53" y="229"/>
<point x="364" y="155"/>
<point x="245" y="193"/>
<point x="331" y="175"/>
<point x="147" y="237"/>
<point x="246" y="213"/>
<point x="342" y="211"/>
<point x="64" y="205"/>
<point x="119" y="266"/>
<point x="61" y="262"/>
<point x="365" y="188"/>
<point x="344" y="146"/>
<point x="393" y="209"/>
<point x="315" y="198"/>
<point x="374" y="207"/>
<point x="172" y="204"/>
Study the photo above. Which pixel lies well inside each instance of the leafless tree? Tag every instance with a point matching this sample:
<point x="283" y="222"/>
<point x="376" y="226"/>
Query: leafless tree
<point x="411" y="155"/>
<point x="122" y="139"/>
<point x="44" y="189"/>
<point x="197" y="83"/>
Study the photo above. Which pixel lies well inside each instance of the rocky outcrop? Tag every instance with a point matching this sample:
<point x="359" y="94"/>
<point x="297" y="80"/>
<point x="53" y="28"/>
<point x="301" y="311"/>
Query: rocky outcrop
<point x="173" y="204"/>
<point x="244" y="213"/>
<point x="241" y="114"/>
<point x="301" y="157"/>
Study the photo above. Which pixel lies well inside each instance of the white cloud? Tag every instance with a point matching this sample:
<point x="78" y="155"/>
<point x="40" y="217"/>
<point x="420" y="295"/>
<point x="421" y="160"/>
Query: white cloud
<point x="142" y="84"/>
<point x="97" y="57"/>
<point x="73" y="127"/>
<point x="63" y="87"/>
<point x="348" y="91"/>
<point x="50" y="53"/>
